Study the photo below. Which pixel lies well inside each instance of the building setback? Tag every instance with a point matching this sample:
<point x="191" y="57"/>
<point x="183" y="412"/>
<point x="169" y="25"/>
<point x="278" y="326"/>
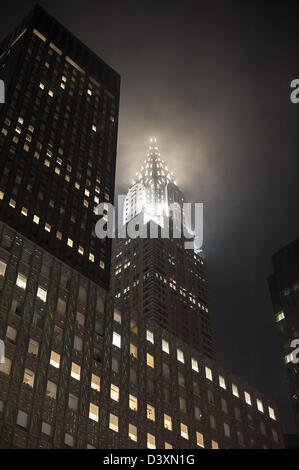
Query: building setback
<point x="284" y="290"/>
<point x="58" y="132"/>
<point x="83" y="373"/>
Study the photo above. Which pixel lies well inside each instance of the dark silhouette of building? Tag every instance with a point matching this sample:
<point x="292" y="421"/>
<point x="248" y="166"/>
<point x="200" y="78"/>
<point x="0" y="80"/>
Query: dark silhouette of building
<point x="58" y="132"/>
<point x="284" y="289"/>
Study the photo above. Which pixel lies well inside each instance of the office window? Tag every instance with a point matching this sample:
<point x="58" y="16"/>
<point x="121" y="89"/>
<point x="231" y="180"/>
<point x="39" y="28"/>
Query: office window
<point x="168" y="445"/>
<point x="151" y="441"/>
<point x="46" y="429"/>
<point x="271" y="413"/>
<point x="78" y="343"/>
<point x="69" y="440"/>
<point x="167" y="422"/>
<point x="180" y="356"/>
<point x="22" y="419"/>
<point x="51" y="389"/>
<point x="11" y="334"/>
<point x="117" y="316"/>
<point x="73" y="402"/>
<point x="76" y="371"/>
<point x="113" y="422"/>
<point x="184" y="431"/>
<point x="150" y="336"/>
<point x="194" y="364"/>
<point x="114" y="392"/>
<point x="133" y="432"/>
<point x="133" y="350"/>
<point x="209" y="375"/>
<point x="222" y="382"/>
<point x="226" y="429"/>
<point x="55" y="359"/>
<point x="116" y="341"/>
<point x="21" y="281"/>
<point x="247" y="398"/>
<point x="215" y="445"/>
<point x="2" y="268"/>
<point x="235" y="390"/>
<point x="199" y="439"/>
<point x="93" y="412"/>
<point x="95" y="382"/>
<point x="150" y="412"/>
<point x="133" y="402"/>
<point x="28" y="378"/>
<point x="259" y="405"/>
<point x="42" y="294"/>
<point x="5" y="366"/>
<point x="165" y="346"/>
<point x="150" y="360"/>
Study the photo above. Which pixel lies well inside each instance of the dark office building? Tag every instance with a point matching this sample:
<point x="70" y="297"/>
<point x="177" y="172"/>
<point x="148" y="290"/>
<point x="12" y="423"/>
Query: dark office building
<point x="158" y="276"/>
<point x="284" y="289"/>
<point x="58" y="132"/>
<point x="80" y="372"/>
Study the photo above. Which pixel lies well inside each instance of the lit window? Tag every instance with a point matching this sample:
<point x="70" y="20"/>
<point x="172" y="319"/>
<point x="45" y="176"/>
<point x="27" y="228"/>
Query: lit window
<point x="70" y="242"/>
<point x="114" y="392"/>
<point x="113" y="422"/>
<point x="150" y="336"/>
<point x="48" y="227"/>
<point x="117" y="316"/>
<point x="95" y="382"/>
<point x="165" y="346"/>
<point x="151" y="441"/>
<point x="59" y="235"/>
<point x="55" y="359"/>
<point x="167" y="422"/>
<point x="36" y="219"/>
<point x="42" y="294"/>
<point x="81" y="250"/>
<point x="116" y="340"/>
<point x="133" y="350"/>
<point x="42" y="86"/>
<point x="94" y="128"/>
<point x="93" y="412"/>
<point x="50" y="93"/>
<point x="11" y="334"/>
<point x="89" y="92"/>
<point x="150" y="412"/>
<point x="21" y="281"/>
<point x="76" y="371"/>
<point x="247" y="398"/>
<point x="28" y="378"/>
<point x="150" y="360"/>
<point x="209" y="375"/>
<point x="199" y="439"/>
<point x="180" y="356"/>
<point x="184" y="431"/>
<point x="168" y="446"/>
<point x="24" y="211"/>
<point x="132" y="432"/>
<point x="194" y="364"/>
<point x="259" y="405"/>
<point x="33" y="347"/>
<point x="12" y="203"/>
<point x="222" y="382"/>
<point x="2" y="268"/>
<point x="5" y="366"/>
<point x="133" y="403"/>
<point x="51" y="389"/>
<point x="1" y="195"/>
<point x="91" y="257"/>
<point x="235" y="390"/>
<point x="279" y="316"/>
<point x="215" y="445"/>
<point x="102" y="264"/>
<point x="271" y="413"/>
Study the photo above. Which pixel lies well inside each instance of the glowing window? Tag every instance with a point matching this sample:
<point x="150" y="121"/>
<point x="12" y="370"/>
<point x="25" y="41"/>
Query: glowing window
<point x="113" y="422"/>
<point x="21" y="281"/>
<point x="184" y="431"/>
<point x="150" y="360"/>
<point x="55" y="359"/>
<point x="93" y="412"/>
<point x="76" y="371"/>
<point x="116" y="340"/>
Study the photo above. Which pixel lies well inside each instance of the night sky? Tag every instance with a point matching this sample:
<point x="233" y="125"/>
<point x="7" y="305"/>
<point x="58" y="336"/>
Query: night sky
<point x="211" y="80"/>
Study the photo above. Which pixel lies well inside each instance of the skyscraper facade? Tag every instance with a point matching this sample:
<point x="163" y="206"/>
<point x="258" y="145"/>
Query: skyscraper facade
<point x="284" y="290"/>
<point x="158" y="276"/>
<point x="58" y="132"/>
